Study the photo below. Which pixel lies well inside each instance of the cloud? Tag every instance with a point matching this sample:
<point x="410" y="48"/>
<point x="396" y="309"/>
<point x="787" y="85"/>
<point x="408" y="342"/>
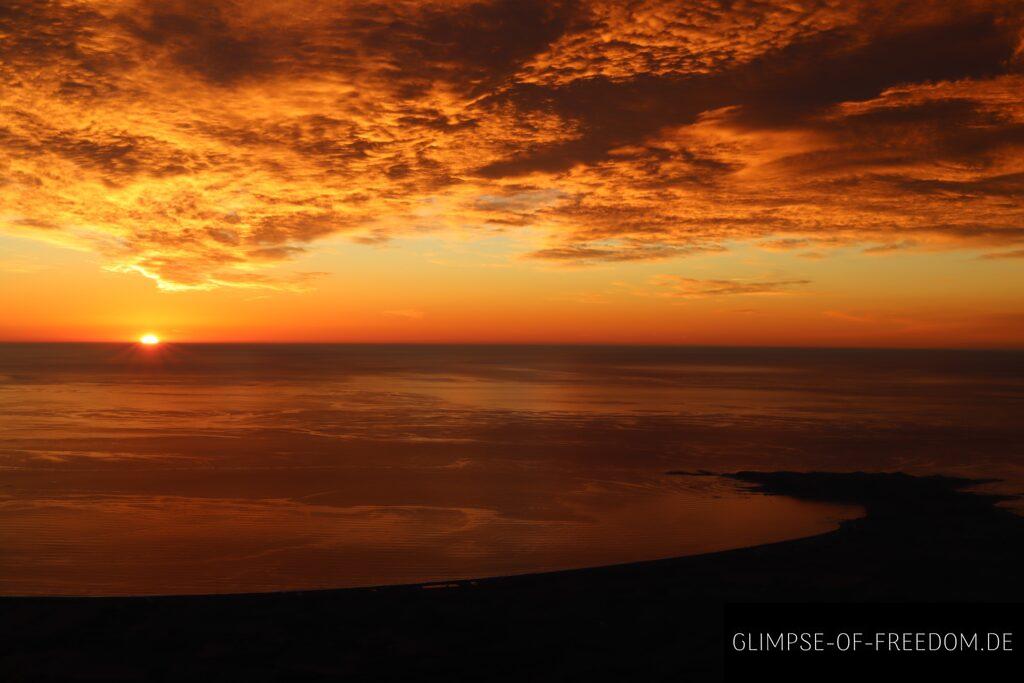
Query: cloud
<point x="889" y="247"/>
<point x="692" y="288"/>
<point x="585" y="253"/>
<point x="999" y="255"/>
<point x="208" y="143"/>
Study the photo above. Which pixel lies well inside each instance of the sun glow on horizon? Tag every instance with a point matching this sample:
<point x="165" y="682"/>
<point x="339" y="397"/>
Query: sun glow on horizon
<point x="149" y="339"/>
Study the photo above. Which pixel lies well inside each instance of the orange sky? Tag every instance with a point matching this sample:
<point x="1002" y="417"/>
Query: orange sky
<point x="837" y="173"/>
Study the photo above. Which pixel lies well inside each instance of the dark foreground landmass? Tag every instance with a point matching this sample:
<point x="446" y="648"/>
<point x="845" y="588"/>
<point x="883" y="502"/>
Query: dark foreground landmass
<point x="922" y="539"/>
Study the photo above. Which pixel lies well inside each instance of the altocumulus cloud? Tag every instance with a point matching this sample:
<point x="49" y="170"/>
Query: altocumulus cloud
<point x="204" y="143"/>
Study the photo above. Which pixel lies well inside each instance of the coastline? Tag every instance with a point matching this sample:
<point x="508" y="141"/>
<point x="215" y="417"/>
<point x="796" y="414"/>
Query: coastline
<point x="921" y="539"/>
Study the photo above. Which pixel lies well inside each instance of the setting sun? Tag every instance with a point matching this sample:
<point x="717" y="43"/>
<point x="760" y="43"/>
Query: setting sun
<point x="149" y="339"/>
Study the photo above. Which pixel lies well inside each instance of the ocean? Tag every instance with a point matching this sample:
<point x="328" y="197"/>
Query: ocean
<point x="220" y="468"/>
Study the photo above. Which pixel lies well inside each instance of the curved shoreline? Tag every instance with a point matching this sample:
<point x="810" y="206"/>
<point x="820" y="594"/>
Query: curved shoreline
<point x="921" y="539"/>
<point x="821" y="517"/>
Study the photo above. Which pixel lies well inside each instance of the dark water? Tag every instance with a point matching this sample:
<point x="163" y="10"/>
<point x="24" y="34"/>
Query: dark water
<point x="220" y="468"/>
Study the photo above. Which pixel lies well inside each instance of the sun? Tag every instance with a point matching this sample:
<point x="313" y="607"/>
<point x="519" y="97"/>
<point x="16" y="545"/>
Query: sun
<point x="149" y="339"/>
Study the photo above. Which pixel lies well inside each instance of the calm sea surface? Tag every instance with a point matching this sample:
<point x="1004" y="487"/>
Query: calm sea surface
<point x="222" y="468"/>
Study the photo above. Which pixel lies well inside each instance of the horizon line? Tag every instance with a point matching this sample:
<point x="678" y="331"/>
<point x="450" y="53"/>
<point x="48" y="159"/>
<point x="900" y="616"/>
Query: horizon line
<point x="566" y="344"/>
